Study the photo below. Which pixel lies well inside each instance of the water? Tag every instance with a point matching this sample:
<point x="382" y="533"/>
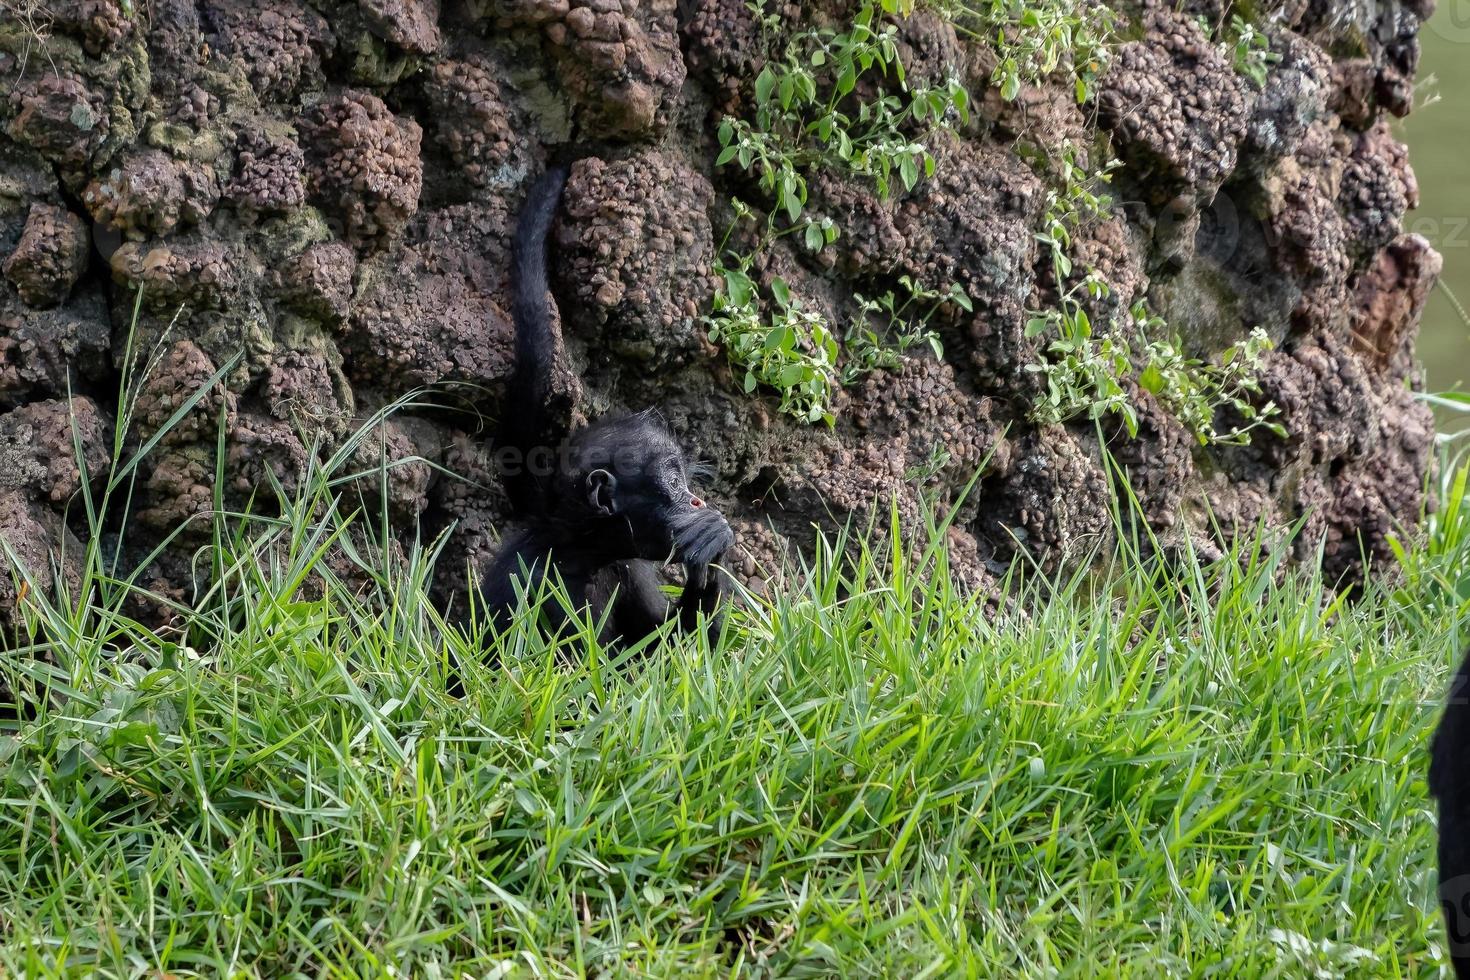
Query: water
<point x="1438" y="135"/>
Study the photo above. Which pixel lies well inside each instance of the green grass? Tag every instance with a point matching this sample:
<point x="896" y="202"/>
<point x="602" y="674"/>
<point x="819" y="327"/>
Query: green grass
<point x="1142" y="770"/>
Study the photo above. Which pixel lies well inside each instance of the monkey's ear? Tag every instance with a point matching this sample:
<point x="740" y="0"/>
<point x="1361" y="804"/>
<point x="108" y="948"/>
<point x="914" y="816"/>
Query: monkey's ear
<point x="602" y="492"/>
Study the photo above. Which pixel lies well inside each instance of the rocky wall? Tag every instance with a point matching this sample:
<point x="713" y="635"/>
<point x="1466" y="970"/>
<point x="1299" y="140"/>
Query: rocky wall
<point x="317" y="200"/>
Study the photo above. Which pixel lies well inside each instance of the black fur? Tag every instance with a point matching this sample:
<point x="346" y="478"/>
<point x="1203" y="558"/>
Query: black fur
<point x="1449" y="781"/>
<point x="615" y="498"/>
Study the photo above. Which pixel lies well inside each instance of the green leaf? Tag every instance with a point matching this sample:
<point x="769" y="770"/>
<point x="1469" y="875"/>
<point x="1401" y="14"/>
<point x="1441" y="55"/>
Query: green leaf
<point x="908" y="170"/>
<point x="793" y="206"/>
<point x="1152" y="379"/>
<point x="812" y="236"/>
<point x="764" y="82"/>
<point x="847" y="80"/>
<point x="781" y="291"/>
<point x="726" y="155"/>
<point x="1036" y="326"/>
<point x="750" y="382"/>
<point x="738" y="287"/>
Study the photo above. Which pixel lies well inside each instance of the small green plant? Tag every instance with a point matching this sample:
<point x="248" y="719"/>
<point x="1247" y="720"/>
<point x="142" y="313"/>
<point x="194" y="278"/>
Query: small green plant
<point x="806" y="117"/>
<point x="1034" y="40"/>
<point x="1196" y="391"/>
<point x="1084" y="374"/>
<point x="871" y="347"/>
<point x="1250" y="49"/>
<point x="795" y="352"/>
<point x="1085" y="370"/>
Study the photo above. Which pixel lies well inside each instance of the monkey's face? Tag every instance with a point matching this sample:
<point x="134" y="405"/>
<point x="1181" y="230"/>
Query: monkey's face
<point x="654" y="501"/>
<point x="644" y="487"/>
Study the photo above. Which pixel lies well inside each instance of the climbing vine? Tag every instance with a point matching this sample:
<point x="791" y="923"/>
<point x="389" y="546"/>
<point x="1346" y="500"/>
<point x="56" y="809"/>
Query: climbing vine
<point x="808" y="118"/>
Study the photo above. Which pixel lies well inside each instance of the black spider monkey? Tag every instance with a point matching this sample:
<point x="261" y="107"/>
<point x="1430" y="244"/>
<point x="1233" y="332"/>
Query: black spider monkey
<point x="602" y="505"/>
<point x="1449" y="781"/>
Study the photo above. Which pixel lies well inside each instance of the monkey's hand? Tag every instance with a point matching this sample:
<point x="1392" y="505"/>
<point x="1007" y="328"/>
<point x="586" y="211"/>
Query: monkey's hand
<point x="702" y="538"/>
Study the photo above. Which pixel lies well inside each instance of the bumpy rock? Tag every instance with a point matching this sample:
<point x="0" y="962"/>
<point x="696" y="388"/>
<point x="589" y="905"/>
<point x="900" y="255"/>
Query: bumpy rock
<point x="265" y="457"/>
<point x="1160" y="466"/>
<point x="872" y="245"/>
<point x="36" y="539"/>
<point x="1176" y="107"/>
<point x="318" y="282"/>
<point x="1369" y="502"/>
<point x="275" y="44"/>
<point x="47" y="353"/>
<point x="181" y="375"/>
<point x="152" y="194"/>
<point x="1051" y="505"/>
<point x="1295" y="96"/>
<point x="1307" y="237"/>
<point x="199" y="273"/>
<point x="427" y="314"/>
<point x="269" y="173"/>
<point x="638" y="274"/>
<point x="1390" y="301"/>
<point x="365" y="166"/>
<point x="178" y="493"/>
<point x="1325" y="400"/>
<point x="305" y="388"/>
<point x="410" y="24"/>
<point x="722" y="43"/>
<point x="39" y="446"/>
<point x="392" y="472"/>
<point x="1377" y="188"/>
<point x="620" y="61"/>
<point x="51" y="256"/>
<point x="941" y="436"/>
<point x="475" y="124"/>
<point x="100" y="23"/>
<point x="971" y="225"/>
<point x="59" y="116"/>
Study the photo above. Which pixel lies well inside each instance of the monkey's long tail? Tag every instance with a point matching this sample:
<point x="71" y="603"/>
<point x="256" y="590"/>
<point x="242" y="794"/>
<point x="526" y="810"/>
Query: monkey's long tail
<point x="525" y="418"/>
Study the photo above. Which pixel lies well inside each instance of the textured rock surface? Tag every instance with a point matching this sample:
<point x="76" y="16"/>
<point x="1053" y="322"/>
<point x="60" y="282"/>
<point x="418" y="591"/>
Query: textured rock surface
<point x="318" y="200"/>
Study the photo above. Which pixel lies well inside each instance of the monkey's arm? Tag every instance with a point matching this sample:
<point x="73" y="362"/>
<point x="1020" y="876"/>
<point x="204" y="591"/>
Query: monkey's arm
<point x="704" y="590"/>
<point x="641" y="606"/>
